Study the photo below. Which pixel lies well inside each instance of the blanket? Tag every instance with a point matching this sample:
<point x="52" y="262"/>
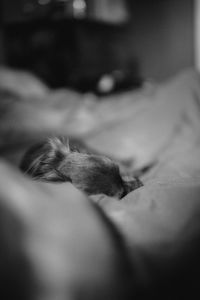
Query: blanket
<point x="157" y="126"/>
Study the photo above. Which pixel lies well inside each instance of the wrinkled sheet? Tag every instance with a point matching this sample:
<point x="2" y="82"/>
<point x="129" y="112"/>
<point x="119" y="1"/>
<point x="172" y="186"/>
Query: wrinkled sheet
<point x="159" y="126"/>
<point x="155" y="125"/>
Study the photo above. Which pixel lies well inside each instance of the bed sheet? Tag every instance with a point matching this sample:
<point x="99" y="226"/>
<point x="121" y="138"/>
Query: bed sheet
<point x="158" y="125"/>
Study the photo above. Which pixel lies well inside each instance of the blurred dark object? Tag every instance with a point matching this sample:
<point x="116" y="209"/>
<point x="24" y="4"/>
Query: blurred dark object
<point x="112" y="11"/>
<point x="68" y="44"/>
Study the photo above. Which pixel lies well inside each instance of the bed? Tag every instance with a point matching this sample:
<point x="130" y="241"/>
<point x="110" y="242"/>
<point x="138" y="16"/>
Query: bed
<point x="155" y="128"/>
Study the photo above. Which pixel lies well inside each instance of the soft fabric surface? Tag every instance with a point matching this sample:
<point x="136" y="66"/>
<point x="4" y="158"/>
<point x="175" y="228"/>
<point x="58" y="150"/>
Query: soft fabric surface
<point x="56" y="245"/>
<point x="158" y="126"/>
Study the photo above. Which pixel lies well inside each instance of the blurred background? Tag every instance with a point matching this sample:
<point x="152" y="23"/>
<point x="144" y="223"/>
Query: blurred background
<point x="97" y="45"/>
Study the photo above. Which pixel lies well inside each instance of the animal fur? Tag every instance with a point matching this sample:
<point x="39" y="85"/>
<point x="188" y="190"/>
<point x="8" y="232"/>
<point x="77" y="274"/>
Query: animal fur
<point x="63" y="160"/>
